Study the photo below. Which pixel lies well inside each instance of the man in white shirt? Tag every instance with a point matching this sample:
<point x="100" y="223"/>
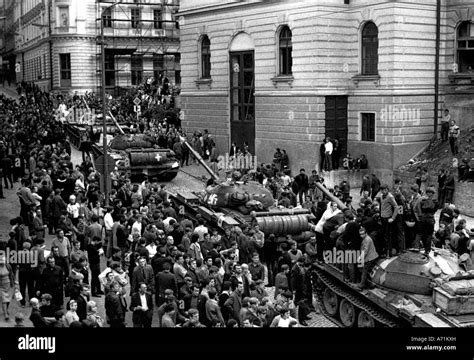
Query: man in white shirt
<point x="137" y="225"/>
<point x="152" y="249"/>
<point x="108" y="224"/>
<point x="73" y="209"/>
<point x="142" y="307"/>
<point x="445" y="123"/>
<point x="285" y="180"/>
<point x="201" y="230"/>
<point x="328" y="149"/>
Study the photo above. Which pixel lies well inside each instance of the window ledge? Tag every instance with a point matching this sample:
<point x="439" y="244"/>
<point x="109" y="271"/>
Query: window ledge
<point x="466" y="78"/>
<point x="200" y="82"/>
<point x="366" y="78"/>
<point x="283" y="78"/>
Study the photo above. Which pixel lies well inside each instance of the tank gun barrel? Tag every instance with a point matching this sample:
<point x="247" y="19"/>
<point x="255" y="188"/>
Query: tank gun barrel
<point x="201" y="161"/>
<point x="326" y="192"/>
<point x="116" y="123"/>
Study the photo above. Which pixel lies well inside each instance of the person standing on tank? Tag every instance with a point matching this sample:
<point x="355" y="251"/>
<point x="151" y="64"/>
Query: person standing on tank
<point x="388" y="214"/>
<point x="425" y="226"/>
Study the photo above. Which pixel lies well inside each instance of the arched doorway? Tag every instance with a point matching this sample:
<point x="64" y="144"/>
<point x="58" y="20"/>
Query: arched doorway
<point x="242" y="89"/>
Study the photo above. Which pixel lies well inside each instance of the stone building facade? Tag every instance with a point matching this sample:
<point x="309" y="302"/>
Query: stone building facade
<point x="286" y="74"/>
<point x="57" y="43"/>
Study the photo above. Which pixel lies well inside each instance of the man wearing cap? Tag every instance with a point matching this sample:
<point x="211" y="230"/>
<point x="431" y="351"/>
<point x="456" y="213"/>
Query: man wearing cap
<point x="142" y="307"/>
<point x="388" y="214"/>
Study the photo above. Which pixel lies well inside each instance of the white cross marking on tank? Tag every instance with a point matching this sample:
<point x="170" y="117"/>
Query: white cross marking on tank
<point x="158" y="157"/>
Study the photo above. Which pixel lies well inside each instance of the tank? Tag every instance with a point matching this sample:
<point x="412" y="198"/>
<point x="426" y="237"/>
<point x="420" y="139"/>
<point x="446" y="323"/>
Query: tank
<point x="233" y="203"/>
<point x="412" y="289"/>
<point x="138" y="155"/>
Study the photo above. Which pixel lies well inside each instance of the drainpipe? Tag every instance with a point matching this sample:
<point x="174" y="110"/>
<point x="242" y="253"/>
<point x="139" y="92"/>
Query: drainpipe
<point x="437" y="45"/>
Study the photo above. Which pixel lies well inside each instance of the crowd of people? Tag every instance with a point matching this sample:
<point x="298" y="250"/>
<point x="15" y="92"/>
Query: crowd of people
<point x="146" y="258"/>
<point x="185" y="273"/>
<point x="330" y="153"/>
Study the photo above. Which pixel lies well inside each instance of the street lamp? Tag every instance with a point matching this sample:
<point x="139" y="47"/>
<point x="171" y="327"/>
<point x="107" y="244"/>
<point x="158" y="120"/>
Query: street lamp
<point x="104" y="125"/>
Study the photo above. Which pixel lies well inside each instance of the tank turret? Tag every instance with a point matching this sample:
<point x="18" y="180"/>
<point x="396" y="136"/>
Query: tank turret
<point x="139" y="156"/>
<point x="414" y="271"/>
<point x="234" y="202"/>
<point x="412" y="289"/>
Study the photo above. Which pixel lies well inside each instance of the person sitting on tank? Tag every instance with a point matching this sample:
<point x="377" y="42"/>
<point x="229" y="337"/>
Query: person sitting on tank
<point x="441" y="238"/>
<point x="368" y="257"/>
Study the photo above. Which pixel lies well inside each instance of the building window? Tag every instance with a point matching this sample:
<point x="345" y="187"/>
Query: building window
<point x="285" y="49"/>
<point x="465" y="44"/>
<point x="107" y="18"/>
<point x="368" y="127"/>
<point x="158" y="61"/>
<point x="205" y="58"/>
<point x="65" y="70"/>
<point x="109" y="69"/>
<point x="370" y="49"/>
<point x="157" y="19"/>
<point x="63" y="16"/>
<point x="177" y="77"/>
<point x="44" y="66"/>
<point x="137" y="69"/>
<point x="158" y="67"/>
<point x="135" y="16"/>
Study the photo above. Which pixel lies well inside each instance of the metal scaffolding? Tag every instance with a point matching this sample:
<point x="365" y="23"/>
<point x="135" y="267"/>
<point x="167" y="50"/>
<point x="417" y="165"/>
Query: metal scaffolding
<point x="141" y="41"/>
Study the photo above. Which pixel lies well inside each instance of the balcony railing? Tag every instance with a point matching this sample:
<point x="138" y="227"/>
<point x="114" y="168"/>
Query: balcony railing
<point x="144" y="31"/>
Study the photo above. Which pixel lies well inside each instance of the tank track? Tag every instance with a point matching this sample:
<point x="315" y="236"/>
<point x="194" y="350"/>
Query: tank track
<point x="356" y="301"/>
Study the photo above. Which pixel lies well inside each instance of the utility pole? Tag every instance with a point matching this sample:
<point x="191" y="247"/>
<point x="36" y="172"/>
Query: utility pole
<point x="437" y="45"/>
<point x="105" y="175"/>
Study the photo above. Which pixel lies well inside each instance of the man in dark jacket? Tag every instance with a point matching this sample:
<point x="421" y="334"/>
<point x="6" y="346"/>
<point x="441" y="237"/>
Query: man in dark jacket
<point x="425" y="226"/>
<point x="234" y="303"/>
<point x="58" y="207"/>
<point x="52" y="282"/>
<point x="300" y="288"/>
<point x="375" y="186"/>
<point x="164" y="280"/>
<point x="142" y="307"/>
<point x="142" y="273"/>
<point x="303" y="183"/>
<point x="94" y="263"/>
<point x="195" y="301"/>
<point x="36" y="318"/>
<point x="115" y="306"/>
<point x="7" y="166"/>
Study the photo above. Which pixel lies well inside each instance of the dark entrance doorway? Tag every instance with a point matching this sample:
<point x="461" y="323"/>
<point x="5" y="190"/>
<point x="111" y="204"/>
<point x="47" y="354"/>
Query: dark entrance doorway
<point x="336" y="121"/>
<point x="242" y="99"/>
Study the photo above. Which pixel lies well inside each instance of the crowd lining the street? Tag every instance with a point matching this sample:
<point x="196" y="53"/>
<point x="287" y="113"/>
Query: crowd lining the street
<point x="186" y="272"/>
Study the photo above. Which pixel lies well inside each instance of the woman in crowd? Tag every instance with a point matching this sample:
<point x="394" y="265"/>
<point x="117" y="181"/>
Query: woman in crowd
<point x="7" y="283"/>
<point x="71" y="314"/>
